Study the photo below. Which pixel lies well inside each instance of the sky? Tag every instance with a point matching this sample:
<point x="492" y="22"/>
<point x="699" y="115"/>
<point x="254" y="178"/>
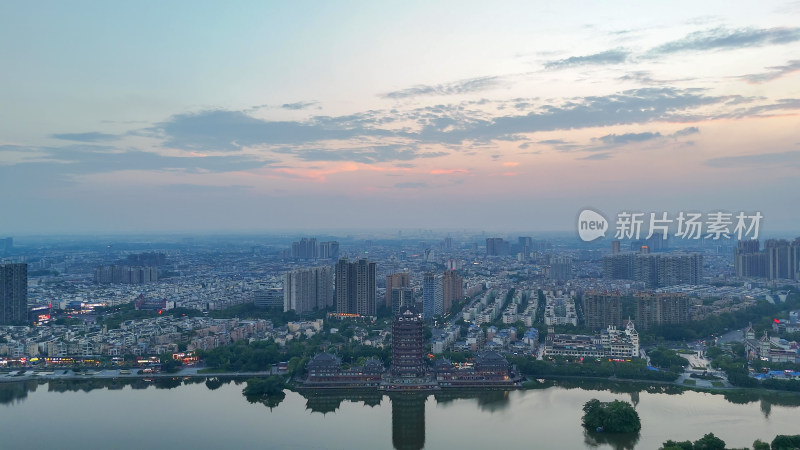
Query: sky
<point x="256" y="116"/>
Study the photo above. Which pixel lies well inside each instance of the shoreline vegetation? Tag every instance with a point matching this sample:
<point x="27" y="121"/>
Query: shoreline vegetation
<point x="615" y="385"/>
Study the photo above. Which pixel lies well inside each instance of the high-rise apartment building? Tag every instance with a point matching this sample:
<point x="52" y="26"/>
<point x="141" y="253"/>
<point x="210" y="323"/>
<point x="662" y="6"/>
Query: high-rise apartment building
<point x="125" y="274"/>
<point x="560" y="268"/>
<point x="13" y="294"/>
<point x="6" y="245"/>
<point x="661" y="309"/>
<point x="497" y="247"/>
<point x="783" y="259"/>
<point x="602" y="309"/>
<point x="305" y="290"/>
<point x="356" y="287"/>
<point x="305" y="249"/>
<point x="618" y="266"/>
<point x="655" y="270"/>
<point x="268" y="298"/>
<point x="780" y="259"/>
<point x="329" y="250"/>
<point x="396" y="280"/>
<point x="432" y="295"/>
<point x="402" y="299"/>
<point x="749" y="260"/>
<point x="452" y="289"/>
<point x="447" y="244"/>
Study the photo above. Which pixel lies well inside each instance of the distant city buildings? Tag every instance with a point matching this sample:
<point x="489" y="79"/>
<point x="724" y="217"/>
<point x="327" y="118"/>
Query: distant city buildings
<point x="6" y="244"/>
<point x="497" y="247"/>
<point x="356" y="287"/>
<point x="125" y="274"/>
<point x="658" y="242"/>
<point x="779" y="260"/>
<point x="309" y="248"/>
<point x="560" y="268"/>
<point x="13" y="294"/>
<point x="749" y="260"/>
<point x="305" y="249"/>
<point x="329" y="250"/>
<point x="654" y="270"/>
<point x="305" y="290"/>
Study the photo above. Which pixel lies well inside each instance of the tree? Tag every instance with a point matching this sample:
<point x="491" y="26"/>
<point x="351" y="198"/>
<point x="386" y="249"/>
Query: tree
<point x="169" y="364"/>
<point x="612" y="417"/>
<point x="709" y="442"/>
<point x="758" y="444"/>
<point x="786" y="442"/>
<point x="263" y="387"/>
<point x="672" y="445"/>
<point x="268" y="391"/>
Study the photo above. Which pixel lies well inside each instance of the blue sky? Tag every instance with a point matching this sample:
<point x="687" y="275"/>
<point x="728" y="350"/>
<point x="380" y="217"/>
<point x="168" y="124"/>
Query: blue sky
<point x="201" y="116"/>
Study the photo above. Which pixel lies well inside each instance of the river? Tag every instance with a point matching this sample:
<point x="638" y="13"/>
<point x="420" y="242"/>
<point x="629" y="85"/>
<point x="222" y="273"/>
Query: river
<point x="198" y="413"/>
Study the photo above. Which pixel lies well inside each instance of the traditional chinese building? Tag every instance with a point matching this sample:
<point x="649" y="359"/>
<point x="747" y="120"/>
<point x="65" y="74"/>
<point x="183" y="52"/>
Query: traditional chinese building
<point x="408" y="349"/>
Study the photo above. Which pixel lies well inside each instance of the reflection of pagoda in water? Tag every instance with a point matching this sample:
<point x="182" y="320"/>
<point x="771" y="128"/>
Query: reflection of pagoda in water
<point x="329" y="401"/>
<point x="408" y="420"/>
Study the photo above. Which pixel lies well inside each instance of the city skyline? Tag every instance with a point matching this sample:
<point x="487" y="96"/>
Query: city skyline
<point x="200" y="117"/>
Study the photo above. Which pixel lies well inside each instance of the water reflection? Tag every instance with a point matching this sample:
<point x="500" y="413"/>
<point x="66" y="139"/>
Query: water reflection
<point x="766" y="407"/>
<point x="408" y="420"/>
<point x="408" y="410"/>
<point x="329" y="401"/>
<point x="16" y="392"/>
<point x="618" y="441"/>
<point x="488" y="400"/>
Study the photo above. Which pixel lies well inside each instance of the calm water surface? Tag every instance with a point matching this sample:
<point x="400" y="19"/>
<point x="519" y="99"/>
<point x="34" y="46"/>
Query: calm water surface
<point x="199" y="414"/>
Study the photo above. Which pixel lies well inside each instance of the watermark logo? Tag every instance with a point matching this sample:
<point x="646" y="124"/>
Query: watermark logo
<point x="685" y="225"/>
<point x="591" y="225"/>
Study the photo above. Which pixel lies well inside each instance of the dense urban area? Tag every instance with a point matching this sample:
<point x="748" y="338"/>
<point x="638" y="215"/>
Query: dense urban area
<point x="409" y="311"/>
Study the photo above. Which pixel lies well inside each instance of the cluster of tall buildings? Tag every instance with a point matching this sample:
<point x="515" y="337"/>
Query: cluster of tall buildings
<point x="528" y="245"/>
<point x="654" y="270"/>
<point x="351" y="287"/>
<point x="439" y="292"/>
<point x="13" y="294"/>
<point x="525" y="245"/>
<point x="604" y="309"/>
<point x="497" y="247"/>
<point x="780" y="259"/>
<point x="126" y="274"/>
<point x="308" y="248"/>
